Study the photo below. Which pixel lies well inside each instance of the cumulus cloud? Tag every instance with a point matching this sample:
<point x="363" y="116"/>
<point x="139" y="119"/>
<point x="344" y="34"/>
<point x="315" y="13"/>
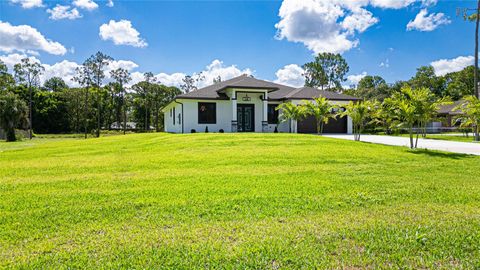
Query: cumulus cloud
<point x="291" y="75"/>
<point x="393" y="4"/>
<point x="358" y="21"/>
<point x="212" y="71"/>
<point x="66" y="70"/>
<point x="354" y="79"/>
<point x="444" y="66"/>
<point x="60" y="12"/>
<point x="24" y="37"/>
<point x="28" y="3"/>
<point x="110" y="3"/>
<point x="331" y="25"/>
<point x="11" y="59"/>
<point x="125" y="64"/>
<point x="425" y="22"/>
<point x="85" y="4"/>
<point x="217" y="68"/>
<point x="122" y="33"/>
<point x="314" y="23"/>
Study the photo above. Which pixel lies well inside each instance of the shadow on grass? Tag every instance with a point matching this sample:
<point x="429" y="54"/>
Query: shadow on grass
<point x="431" y="153"/>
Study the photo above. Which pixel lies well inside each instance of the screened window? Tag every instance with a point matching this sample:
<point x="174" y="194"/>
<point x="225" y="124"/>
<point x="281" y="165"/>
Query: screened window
<point x="207" y="113"/>
<point x="272" y="114"/>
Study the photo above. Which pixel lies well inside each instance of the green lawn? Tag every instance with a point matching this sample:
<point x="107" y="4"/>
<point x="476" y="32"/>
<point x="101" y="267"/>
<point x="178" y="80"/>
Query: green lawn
<point x="460" y="138"/>
<point x="456" y="138"/>
<point x="235" y="201"/>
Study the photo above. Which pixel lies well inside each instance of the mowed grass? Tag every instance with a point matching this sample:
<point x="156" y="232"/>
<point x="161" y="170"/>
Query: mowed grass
<point x="236" y="201"/>
<point x="446" y="137"/>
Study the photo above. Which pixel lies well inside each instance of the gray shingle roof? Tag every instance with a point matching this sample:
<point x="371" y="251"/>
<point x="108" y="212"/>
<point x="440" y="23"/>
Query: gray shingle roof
<point x="448" y="109"/>
<point x="310" y="92"/>
<point x="276" y="91"/>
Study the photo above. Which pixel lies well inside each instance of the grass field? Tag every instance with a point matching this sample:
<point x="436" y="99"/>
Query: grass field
<point x="235" y="201"/>
<point x="444" y="137"/>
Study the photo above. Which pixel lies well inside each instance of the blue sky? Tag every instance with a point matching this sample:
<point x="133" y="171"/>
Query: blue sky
<point x="183" y="37"/>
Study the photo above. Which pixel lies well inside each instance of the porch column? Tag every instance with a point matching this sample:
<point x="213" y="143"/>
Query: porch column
<point x="234" y="111"/>
<point x="265" y="113"/>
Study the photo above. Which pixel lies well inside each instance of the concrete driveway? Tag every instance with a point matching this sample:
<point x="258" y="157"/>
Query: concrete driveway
<point x="448" y="146"/>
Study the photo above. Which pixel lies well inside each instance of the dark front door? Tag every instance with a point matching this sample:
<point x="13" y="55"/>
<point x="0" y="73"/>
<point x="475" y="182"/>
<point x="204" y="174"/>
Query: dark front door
<point x="246" y="117"/>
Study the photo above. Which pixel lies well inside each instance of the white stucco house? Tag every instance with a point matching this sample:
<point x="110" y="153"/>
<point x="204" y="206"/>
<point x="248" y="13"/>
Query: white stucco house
<point x="246" y="104"/>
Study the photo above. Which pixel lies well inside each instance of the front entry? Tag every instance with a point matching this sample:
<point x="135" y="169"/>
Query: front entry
<point x="246" y="117"/>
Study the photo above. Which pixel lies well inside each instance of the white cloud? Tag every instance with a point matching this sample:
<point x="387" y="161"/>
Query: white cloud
<point x="358" y="21"/>
<point x="85" y="4"/>
<point x="28" y="3"/>
<point x="60" y="12"/>
<point x="174" y="79"/>
<point x="11" y="59"/>
<point x="64" y="70"/>
<point x="125" y="64"/>
<point x="393" y="4"/>
<point x="424" y="22"/>
<point x="444" y="66"/>
<point x="110" y="3"/>
<point x="355" y="78"/>
<point x="217" y="68"/>
<point x="212" y="71"/>
<point x="291" y="75"/>
<point x="122" y="33"/>
<point x="24" y="37"/>
<point x="314" y="23"/>
<point x="331" y="25"/>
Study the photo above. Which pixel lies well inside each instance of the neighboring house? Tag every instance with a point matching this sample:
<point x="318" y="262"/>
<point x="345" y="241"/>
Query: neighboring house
<point x="246" y="104"/>
<point x="448" y="114"/>
<point x="130" y="126"/>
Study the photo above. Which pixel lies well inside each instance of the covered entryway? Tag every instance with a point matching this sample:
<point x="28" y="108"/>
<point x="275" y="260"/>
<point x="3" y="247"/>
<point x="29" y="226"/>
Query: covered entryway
<point x="308" y="125"/>
<point x="246" y="117"/>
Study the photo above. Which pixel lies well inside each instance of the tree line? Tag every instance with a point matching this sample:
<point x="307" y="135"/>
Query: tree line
<point x="54" y="107"/>
<point x="96" y="105"/>
<point x="328" y="72"/>
<point x="404" y="105"/>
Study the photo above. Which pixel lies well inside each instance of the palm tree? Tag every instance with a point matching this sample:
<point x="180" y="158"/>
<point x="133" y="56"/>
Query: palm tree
<point x="13" y="113"/>
<point x="471" y="114"/>
<point x="405" y="110"/>
<point x="322" y="110"/>
<point x="359" y="112"/>
<point x="292" y="112"/>
<point x="427" y="105"/>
